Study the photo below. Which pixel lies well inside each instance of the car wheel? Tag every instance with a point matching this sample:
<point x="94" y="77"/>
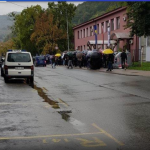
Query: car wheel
<point x="6" y="79"/>
<point x="27" y="80"/>
<point x="2" y="74"/>
<point x="32" y="80"/>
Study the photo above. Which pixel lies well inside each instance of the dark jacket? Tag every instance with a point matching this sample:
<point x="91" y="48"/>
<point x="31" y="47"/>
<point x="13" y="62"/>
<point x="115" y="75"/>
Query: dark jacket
<point x="53" y="60"/>
<point x="70" y="57"/>
<point x="123" y="56"/>
<point x="110" y="58"/>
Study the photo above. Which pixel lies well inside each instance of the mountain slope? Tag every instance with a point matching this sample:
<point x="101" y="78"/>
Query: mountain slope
<point x="89" y="10"/>
<point x="5" y="23"/>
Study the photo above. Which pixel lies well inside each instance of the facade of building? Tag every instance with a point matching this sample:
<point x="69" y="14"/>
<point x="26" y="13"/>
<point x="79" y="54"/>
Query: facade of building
<point x="145" y="53"/>
<point x="84" y="37"/>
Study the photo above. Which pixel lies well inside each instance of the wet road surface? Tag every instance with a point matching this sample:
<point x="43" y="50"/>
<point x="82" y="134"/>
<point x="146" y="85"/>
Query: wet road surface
<point x="75" y="109"/>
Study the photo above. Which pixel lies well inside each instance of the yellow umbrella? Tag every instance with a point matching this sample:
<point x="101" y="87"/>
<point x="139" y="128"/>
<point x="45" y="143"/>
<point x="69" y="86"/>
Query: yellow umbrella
<point x="58" y="55"/>
<point x="108" y="51"/>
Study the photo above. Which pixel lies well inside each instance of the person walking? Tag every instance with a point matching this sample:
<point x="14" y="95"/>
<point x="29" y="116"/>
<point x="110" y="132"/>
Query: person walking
<point x="110" y="61"/>
<point x="123" y="59"/>
<point x="80" y="62"/>
<point x="104" y="61"/>
<point x="70" y="61"/>
<point x="53" y="62"/>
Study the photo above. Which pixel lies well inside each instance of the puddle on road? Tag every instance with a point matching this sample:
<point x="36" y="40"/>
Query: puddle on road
<point x="54" y="104"/>
<point x="42" y="94"/>
<point x="64" y="115"/>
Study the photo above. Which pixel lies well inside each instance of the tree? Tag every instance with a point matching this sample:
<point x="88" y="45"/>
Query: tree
<point x="24" y="27"/>
<point x="46" y="33"/>
<point x="4" y="46"/>
<point x="116" y="5"/>
<point x="62" y="12"/>
<point x="138" y="18"/>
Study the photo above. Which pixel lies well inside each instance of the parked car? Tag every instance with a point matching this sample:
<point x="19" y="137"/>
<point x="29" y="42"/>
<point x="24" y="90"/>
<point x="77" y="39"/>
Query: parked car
<point x="39" y="61"/>
<point x="1" y="60"/>
<point x="2" y="67"/>
<point x="18" y="64"/>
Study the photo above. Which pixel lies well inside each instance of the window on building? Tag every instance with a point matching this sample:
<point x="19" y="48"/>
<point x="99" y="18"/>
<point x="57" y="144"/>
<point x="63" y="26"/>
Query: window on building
<point x="112" y="24"/>
<point x="84" y="33"/>
<point x="90" y="31"/>
<point x="87" y="32"/>
<point x="107" y="23"/>
<point x="97" y="28"/>
<point x="102" y="27"/>
<point x="148" y="41"/>
<point x="78" y="47"/>
<point x="81" y="33"/>
<point x="118" y="23"/>
<point x="78" y="35"/>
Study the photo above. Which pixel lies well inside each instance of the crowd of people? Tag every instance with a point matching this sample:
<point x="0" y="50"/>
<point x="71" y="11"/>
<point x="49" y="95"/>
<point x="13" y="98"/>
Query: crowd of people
<point x="93" y="61"/>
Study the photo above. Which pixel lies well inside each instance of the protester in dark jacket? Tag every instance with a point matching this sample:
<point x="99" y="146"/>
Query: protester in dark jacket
<point x="123" y="59"/>
<point x="53" y="62"/>
<point x="110" y="61"/>
<point x="70" y="61"/>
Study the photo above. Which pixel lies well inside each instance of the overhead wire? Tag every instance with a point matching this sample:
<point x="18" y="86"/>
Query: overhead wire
<point x="17" y="4"/>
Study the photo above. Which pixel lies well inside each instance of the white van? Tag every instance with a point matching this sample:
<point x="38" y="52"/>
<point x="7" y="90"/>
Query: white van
<point x="18" y="64"/>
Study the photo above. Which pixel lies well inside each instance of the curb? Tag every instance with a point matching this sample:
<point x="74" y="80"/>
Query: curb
<point x="121" y="73"/>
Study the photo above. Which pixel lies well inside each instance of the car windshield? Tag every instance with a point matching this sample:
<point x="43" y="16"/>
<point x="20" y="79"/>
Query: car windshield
<point x="18" y="57"/>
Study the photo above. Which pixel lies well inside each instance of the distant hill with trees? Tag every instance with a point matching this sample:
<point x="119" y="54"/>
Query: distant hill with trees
<point x="5" y="24"/>
<point x="84" y="12"/>
<point x="89" y="10"/>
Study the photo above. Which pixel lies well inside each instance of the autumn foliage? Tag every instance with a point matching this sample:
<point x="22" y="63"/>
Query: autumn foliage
<point x="46" y="33"/>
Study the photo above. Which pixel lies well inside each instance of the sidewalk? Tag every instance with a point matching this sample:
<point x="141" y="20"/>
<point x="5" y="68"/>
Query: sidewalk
<point x="127" y="72"/>
<point x="123" y="72"/>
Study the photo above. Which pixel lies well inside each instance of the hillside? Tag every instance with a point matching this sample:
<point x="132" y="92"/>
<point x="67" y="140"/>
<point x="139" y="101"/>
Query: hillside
<point x="5" y="23"/>
<point x="84" y="12"/>
<point x="89" y="10"/>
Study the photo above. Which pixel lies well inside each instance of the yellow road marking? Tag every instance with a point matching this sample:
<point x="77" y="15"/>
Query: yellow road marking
<point x="48" y="136"/>
<point x="107" y="134"/>
<point x="66" y="140"/>
<point x="34" y="90"/>
<point x="44" y="141"/>
<point x="61" y="101"/>
<point x="91" y="143"/>
<point x="48" y="106"/>
<point x="56" y="140"/>
<point x="45" y="89"/>
<point x="20" y="104"/>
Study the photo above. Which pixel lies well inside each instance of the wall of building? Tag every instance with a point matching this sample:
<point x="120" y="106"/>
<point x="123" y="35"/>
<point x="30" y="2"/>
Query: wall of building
<point x="80" y="40"/>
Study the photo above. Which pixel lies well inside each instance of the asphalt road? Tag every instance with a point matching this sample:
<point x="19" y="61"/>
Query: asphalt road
<point x="75" y="109"/>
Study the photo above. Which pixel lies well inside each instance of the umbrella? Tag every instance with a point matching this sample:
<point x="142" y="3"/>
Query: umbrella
<point x="108" y="51"/>
<point x="70" y="54"/>
<point x="89" y="53"/>
<point x="79" y="55"/>
<point x="58" y="55"/>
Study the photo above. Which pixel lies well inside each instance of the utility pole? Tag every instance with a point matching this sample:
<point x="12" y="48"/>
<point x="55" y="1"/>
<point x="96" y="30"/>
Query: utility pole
<point x="108" y="29"/>
<point x="67" y="29"/>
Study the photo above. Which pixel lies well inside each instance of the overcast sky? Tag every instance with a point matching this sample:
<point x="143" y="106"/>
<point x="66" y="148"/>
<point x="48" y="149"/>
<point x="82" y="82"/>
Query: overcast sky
<point x="7" y="7"/>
